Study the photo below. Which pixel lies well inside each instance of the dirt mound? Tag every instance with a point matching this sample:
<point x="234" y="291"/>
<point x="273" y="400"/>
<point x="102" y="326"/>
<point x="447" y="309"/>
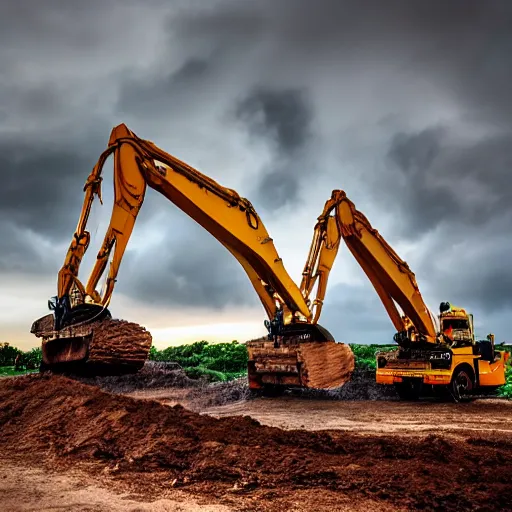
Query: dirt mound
<point x="361" y="386"/>
<point x="219" y="393"/>
<point x="152" y="375"/>
<point x="58" y="419"/>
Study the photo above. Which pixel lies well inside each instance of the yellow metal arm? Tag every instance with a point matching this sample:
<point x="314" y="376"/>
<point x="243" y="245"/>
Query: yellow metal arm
<point x="391" y="277"/>
<point x="230" y="218"/>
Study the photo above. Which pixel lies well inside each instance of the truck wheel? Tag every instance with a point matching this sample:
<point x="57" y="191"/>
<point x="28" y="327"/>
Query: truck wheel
<point x="461" y="385"/>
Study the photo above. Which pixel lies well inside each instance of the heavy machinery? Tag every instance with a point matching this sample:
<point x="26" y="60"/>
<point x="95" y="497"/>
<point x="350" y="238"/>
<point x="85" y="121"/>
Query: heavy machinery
<point x="428" y="358"/>
<point x="81" y="336"/>
<point x="450" y="358"/>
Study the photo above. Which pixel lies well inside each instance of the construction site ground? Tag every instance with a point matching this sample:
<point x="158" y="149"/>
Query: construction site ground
<point x="66" y="445"/>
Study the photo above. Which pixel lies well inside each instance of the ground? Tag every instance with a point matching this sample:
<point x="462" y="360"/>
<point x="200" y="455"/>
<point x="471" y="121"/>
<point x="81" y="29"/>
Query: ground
<point x="489" y="416"/>
<point x="77" y="448"/>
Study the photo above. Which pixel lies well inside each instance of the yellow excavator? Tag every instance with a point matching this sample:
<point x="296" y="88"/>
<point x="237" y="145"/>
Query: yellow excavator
<point x="433" y="354"/>
<point x="80" y="335"/>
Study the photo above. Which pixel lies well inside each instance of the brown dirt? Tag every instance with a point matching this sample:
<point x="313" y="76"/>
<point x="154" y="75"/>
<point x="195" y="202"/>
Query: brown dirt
<point x="149" y="447"/>
<point x="325" y="365"/>
<point x="29" y="489"/>
<point x="116" y="341"/>
<point x="482" y="417"/>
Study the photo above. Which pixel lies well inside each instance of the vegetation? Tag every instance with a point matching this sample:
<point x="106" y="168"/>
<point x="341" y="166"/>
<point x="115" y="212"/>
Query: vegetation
<point x="8" y="354"/>
<point x="14" y="361"/>
<point x="365" y="355"/>
<point x="216" y="362"/>
<point x="506" y="390"/>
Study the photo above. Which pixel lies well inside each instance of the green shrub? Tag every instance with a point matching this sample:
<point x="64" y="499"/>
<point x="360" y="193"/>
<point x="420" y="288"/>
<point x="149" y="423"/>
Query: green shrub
<point x="506" y="390"/>
<point x="30" y="360"/>
<point x="220" y="361"/>
<point x="210" y="375"/>
<point x="365" y="355"/>
<point x="8" y="354"/>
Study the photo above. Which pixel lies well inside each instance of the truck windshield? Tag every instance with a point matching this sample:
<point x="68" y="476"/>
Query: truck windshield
<point x="455" y="323"/>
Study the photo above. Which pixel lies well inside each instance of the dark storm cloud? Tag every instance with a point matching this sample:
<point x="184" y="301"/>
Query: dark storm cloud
<point x="41" y="186"/>
<point x="445" y="180"/>
<point x="283" y="118"/>
<point x="163" y="94"/>
<point x="460" y="190"/>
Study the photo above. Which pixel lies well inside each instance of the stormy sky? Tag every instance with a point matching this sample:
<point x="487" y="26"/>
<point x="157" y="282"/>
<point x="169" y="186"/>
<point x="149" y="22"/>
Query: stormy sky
<point x="405" y="105"/>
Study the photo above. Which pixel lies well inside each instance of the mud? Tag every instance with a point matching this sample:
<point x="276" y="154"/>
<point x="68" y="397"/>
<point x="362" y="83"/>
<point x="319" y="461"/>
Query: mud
<point x="149" y="447"/>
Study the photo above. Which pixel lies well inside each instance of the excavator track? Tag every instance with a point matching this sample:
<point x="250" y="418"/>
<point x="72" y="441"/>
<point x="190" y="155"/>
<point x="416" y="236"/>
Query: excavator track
<point x="104" y="347"/>
<point x="305" y="356"/>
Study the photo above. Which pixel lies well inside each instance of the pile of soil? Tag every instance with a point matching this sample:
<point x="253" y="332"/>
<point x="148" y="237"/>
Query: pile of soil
<point x="53" y="418"/>
<point x="219" y="393"/>
<point x="152" y="375"/>
<point x="361" y="386"/>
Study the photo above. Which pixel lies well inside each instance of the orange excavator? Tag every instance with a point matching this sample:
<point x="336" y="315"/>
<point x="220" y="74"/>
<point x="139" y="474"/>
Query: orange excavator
<point x="80" y="335"/>
<point x="433" y="353"/>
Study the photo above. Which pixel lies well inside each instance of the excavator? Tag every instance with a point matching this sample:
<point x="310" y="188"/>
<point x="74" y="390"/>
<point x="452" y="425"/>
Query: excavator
<point x="433" y="354"/>
<point x="80" y="335"/>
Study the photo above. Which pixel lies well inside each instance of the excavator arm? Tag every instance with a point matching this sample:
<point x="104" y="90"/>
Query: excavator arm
<point x="391" y="277"/>
<point x="231" y="219"/>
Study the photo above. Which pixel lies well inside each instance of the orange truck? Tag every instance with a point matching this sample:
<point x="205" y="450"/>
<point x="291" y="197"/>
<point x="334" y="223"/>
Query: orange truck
<point x="456" y="361"/>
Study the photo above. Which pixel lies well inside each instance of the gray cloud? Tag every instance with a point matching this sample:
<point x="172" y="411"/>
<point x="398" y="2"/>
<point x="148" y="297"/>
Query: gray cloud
<point x="283" y="118"/>
<point x="445" y="181"/>
<point x="41" y="186"/>
<point x="354" y="314"/>
<point x="19" y="251"/>
<point x="196" y="271"/>
<point x="167" y="94"/>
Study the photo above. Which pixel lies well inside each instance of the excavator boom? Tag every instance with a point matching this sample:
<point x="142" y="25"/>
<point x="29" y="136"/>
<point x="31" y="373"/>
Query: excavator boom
<point x="391" y="276"/>
<point x="426" y="356"/>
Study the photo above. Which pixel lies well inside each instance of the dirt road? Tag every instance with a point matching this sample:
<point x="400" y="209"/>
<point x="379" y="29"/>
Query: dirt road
<point x="24" y="488"/>
<point x="490" y="416"/>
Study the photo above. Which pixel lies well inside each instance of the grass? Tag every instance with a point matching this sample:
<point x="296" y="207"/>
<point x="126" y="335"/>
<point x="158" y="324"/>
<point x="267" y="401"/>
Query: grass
<point x="10" y="371"/>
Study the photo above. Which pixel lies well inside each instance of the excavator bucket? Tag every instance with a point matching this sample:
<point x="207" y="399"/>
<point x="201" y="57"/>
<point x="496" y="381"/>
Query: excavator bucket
<point x="102" y="346"/>
<point x="305" y="356"/>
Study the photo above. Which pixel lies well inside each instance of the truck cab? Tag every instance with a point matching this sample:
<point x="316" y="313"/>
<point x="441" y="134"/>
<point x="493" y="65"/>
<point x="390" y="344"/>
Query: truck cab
<point x="456" y="325"/>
